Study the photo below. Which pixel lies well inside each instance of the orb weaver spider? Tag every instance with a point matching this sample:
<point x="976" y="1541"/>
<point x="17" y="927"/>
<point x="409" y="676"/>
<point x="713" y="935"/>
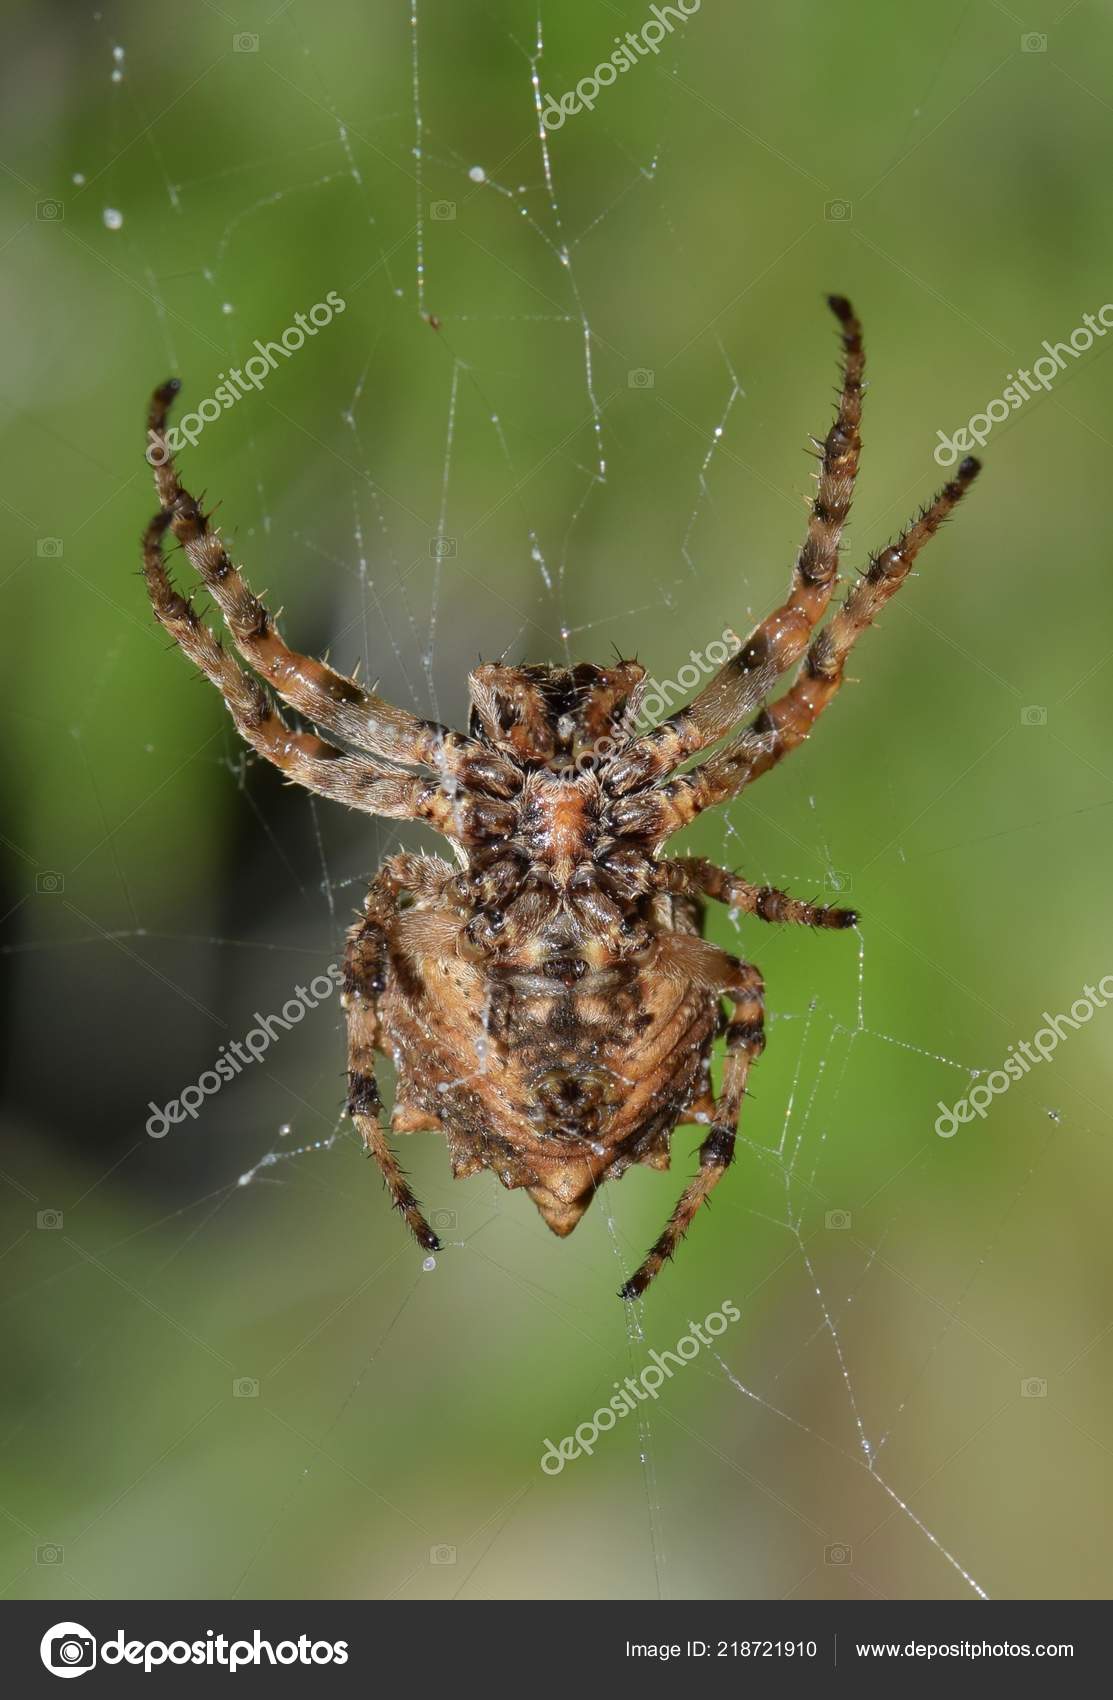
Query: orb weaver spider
<point x="547" y="997"/>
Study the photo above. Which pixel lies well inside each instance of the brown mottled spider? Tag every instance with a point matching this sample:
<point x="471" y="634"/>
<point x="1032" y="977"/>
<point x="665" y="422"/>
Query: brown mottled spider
<point x="549" y="1002"/>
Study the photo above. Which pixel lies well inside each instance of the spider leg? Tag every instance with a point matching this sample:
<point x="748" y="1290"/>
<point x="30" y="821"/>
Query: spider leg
<point x="359" y="781"/>
<point x="696" y="876"/>
<point x="330" y="699"/>
<point x="364" y="977"/>
<point x="779" y="640"/>
<point x="745" y="1043"/>
<point x="788" y="721"/>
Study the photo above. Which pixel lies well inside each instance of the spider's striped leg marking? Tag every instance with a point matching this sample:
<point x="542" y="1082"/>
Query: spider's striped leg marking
<point x="364" y="977"/>
<point x="332" y="700"/>
<point x="306" y="759"/>
<point x="788" y="721"/>
<point x="363" y="1092"/>
<point x="780" y="640"/>
<point x="745" y="1043"/>
<point x="362" y="782"/>
<point x="696" y="876"/>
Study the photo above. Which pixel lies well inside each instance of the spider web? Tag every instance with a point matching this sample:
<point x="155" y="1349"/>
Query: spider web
<point x="403" y="1401"/>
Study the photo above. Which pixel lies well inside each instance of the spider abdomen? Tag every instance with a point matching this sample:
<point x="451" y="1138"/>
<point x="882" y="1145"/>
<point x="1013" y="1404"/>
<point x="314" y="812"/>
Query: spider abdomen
<point x="554" y="1070"/>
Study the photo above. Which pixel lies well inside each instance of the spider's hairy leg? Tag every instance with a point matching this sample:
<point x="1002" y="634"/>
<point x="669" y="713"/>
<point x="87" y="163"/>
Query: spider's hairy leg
<point x="779" y="641"/>
<point x="306" y="759"/>
<point x="330" y="699"/>
<point x="788" y="721"/>
<point x="745" y="1043"/>
<point x="364" y="977"/>
<point x="695" y="876"/>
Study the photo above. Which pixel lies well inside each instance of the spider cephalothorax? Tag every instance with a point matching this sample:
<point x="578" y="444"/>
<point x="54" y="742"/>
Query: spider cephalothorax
<point x="558" y="716"/>
<point x="548" y="999"/>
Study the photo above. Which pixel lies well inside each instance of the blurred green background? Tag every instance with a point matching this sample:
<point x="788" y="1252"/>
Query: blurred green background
<point x="923" y="1368"/>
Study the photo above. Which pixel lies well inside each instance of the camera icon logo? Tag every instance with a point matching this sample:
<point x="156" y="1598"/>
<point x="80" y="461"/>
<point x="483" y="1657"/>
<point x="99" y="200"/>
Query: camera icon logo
<point x="245" y="43"/>
<point x="838" y="1219"/>
<point x="837" y="880"/>
<point x="442" y="1555"/>
<point x="444" y="1221"/>
<point x="49" y="883"/>
<point x="68" y="1649"/>
<point x="48" y="548"/>
<point x="1033" y="715"/>
<point x="51" y="1220"/>
<point x="641" y="378"/>
<point x="837" y="1554"/>
<point x="48" y="1553"/>
<point x="442" y="548"/>
<point x="1033" y="43"/>
<point x="245" y="1387"/>
<point x="445" y="211"/>
<point x="1033" y="1387"/>
<point x="838" y="212"/>
<point x="50" y="212"/>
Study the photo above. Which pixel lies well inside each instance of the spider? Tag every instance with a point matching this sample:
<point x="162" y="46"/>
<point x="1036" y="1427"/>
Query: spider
<point x="547" y="998"/>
